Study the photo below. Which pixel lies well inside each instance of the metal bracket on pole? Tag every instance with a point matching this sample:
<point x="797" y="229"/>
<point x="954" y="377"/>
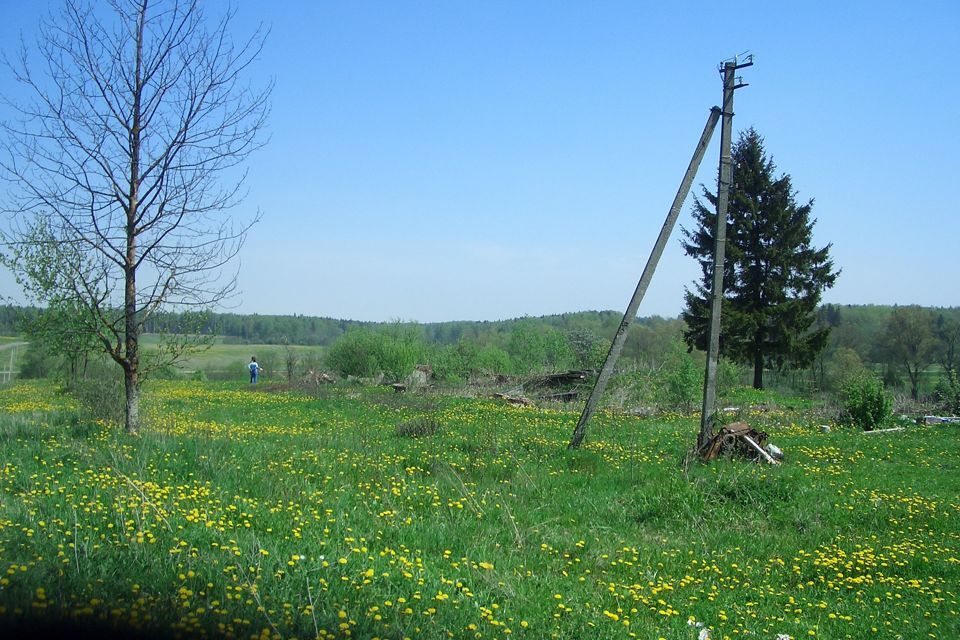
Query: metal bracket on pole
<point x="631" y="313"/>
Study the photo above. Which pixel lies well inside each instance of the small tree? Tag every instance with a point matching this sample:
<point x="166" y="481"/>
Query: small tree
<point x="909" y="343"/>
<point x="291" y="359"/>
<point x="136" y="116"/>
<point x="865" y="401"/>
<point x="773" y="275"/>
<point x="947" y="332"/>
<point x="681" y="379"/>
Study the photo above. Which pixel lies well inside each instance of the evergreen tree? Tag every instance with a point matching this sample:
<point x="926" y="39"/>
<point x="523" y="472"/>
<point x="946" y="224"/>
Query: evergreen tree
<point x="773" y="275"/>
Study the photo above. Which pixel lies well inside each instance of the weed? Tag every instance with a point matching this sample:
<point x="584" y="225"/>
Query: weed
<point x="418" y="427"/>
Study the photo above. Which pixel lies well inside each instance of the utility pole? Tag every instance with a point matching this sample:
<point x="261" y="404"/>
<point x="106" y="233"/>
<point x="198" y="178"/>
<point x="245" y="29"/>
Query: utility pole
<point x="730" y="84"/>
<point x="631" y="313"/>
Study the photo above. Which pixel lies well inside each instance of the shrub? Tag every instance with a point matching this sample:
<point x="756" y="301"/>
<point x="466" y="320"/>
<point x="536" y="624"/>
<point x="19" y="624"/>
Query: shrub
<point x="681" y="380"/>
<point x="588" y="348"/>
<point x="393" y="351"/>
<point x="843" y="366"/>
<point x="538" y="349"/>
<point x="491" y="360"/>
<point x="451" y="363"/>
<point x="865" y="401"/>
<point x="947" y="395"/>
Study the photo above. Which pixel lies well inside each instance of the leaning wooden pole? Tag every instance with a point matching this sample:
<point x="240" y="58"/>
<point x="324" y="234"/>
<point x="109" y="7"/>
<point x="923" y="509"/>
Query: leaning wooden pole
<point x="617" y="345"/>
<point x="719" y="257"/>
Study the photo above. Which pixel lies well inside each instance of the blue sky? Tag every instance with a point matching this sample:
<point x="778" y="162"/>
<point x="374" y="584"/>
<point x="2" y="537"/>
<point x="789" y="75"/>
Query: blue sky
<point x="482" y="160"/>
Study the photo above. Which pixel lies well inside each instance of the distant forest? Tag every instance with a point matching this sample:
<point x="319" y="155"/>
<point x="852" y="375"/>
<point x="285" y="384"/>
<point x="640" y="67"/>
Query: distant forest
<point x="857" y="328"/>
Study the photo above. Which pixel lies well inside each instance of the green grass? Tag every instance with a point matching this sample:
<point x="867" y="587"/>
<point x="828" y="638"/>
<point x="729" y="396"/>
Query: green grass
<point x="226" y="361"/>
<point x="240" y="512"/>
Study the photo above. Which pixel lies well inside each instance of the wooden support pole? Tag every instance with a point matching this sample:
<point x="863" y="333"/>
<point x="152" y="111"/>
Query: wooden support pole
<point x="631" y="313"/>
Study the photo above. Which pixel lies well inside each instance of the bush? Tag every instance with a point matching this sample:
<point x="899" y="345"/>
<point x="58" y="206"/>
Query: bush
<point x="947" y="395"/>
<point x="843" y="366"/>
<point x="681" y="380"/>
<point x="537" y="349"/>
<point x="865" y="402"/>
<point x="393" y="351"/>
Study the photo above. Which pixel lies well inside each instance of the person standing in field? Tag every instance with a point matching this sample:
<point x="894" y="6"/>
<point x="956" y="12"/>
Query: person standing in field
<point x="254" y="370"/>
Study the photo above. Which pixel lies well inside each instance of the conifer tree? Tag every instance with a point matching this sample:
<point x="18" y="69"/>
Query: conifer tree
<point x="773" y="275"/>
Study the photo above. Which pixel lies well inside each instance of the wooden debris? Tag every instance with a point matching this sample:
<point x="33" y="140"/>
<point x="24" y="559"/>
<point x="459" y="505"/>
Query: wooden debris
<point x="563" y="396"/>
<point x="318" y="378"/>
<point x="884" y="430"/>
<point x="519" y="401"/>
<point x="560" y="379"/>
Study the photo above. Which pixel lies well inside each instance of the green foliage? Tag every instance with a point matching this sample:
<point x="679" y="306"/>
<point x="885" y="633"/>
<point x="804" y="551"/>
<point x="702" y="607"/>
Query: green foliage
<point x="728" y="376"/>
<point x="38" y="362"/>
<point x="355" y="354"/>
<point x="773" y="275"/>
<point x="845" y="365"/>
<point x="947" y="332"/>
<point x="681" y="380"/>
<point x="633" y="387"/>
<point x="947" y="395"/>
<point x="453" y="363"/>
<point x="393" y="351"/>
<point x="538" y="349"/>
<point x="866" y="403"/>
<point x="909" y="343"/>
<point x="589" y="349"/>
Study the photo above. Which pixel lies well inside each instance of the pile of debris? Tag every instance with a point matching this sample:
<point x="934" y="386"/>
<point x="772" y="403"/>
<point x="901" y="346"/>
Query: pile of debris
<point x="740" y="439"/>
<point x="557" y="387"/>
<point x="515" y="400"/>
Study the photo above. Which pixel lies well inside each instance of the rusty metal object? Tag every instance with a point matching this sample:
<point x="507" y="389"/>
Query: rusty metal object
<point x="739" y="439"/>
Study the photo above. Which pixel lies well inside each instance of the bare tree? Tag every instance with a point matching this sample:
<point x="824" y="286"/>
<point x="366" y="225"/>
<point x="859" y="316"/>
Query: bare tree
<point x="127" y="153"/>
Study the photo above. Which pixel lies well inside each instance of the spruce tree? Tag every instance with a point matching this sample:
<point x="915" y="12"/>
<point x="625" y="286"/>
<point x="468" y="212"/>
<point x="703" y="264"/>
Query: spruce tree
<point x="773" y="275"/>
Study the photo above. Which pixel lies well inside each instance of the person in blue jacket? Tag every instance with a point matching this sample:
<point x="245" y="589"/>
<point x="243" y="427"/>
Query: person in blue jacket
<point x="254" y="370"/>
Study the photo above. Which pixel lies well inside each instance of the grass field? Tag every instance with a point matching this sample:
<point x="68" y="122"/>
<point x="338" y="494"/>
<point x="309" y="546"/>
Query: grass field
<point x="242" y="512"/>
<point x="225" y="361"/>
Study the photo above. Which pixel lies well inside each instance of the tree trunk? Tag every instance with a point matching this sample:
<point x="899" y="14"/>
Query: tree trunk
<point x="131" y="381"/>
<point x="758" y="370"/>
<point x="914" y="382"/>
<point x="131" y="366"/>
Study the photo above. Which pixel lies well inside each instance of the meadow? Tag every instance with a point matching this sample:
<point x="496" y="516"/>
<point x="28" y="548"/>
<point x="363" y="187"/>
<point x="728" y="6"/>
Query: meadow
<point x="351" y="511"/>
<point x="223" y="361"/>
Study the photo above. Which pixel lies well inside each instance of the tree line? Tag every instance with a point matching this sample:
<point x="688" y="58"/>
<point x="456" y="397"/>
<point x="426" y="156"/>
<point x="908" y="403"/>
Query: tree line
<point x="906" y="346"/>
